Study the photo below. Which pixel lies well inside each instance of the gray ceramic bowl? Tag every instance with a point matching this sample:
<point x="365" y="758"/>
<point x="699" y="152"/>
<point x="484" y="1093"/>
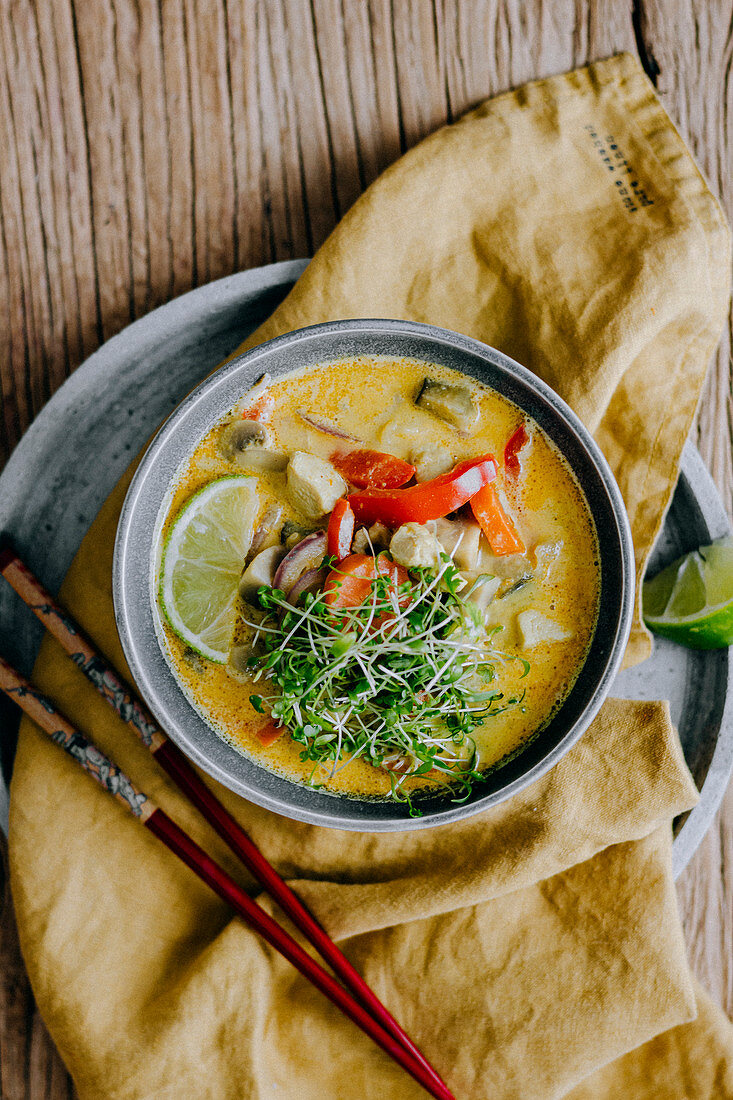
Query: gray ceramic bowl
<point x="144" y="509"/>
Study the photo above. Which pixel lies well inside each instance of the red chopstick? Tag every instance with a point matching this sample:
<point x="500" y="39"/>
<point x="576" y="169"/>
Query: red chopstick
<point x="113" y="780"/>
<point x="107" y="682"/>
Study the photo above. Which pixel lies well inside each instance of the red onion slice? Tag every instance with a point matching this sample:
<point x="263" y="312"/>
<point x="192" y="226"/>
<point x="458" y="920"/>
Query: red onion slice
<point x="326" y="426"/>
<point x="399" y="763"/>
<point x="308" y="582"/>
<point x="306" y="554"/>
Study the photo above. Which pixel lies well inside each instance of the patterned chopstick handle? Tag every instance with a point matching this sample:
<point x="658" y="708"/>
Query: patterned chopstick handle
<point x="80" y="649"/>
<point x="92" y="759"/>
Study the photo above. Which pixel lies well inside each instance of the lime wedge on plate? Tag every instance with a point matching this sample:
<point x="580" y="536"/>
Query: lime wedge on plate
<point x="691" y="601"/>
<point x="202" y="563"/>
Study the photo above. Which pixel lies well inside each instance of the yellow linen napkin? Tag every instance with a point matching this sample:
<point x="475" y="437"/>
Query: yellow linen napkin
<point x="535" y="950"/>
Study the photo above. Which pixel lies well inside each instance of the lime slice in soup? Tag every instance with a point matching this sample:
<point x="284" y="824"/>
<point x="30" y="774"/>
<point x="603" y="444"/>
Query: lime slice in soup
<point x="691" y="601"/>
<point x="202" y="563"/>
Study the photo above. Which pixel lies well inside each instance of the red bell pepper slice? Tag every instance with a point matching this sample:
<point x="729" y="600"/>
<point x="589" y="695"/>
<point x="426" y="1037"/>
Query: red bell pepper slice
<point x="513" y="446"/>
<point x="430" y="500"/>
<point x="495" y="523"/>
<point x="340" y="530"/>
<point x="373" y="469"/>
<point x="270" y="733"/>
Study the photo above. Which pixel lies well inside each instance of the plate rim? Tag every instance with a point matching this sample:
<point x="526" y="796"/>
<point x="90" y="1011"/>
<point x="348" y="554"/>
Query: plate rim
<point x="720" y="768"/>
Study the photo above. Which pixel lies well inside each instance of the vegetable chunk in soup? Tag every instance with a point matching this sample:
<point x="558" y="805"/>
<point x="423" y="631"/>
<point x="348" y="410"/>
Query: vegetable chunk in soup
<point x="377" y="576"/>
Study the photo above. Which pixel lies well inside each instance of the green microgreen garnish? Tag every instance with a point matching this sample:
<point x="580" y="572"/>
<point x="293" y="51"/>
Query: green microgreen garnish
<point x="406" y="677"/>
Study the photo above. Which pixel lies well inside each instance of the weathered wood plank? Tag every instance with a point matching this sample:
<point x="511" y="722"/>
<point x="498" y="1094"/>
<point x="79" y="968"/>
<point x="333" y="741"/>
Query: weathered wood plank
<point x="144" y="30"/>
<point x="696" y="87"/>
<point x="372" y="86"/>
<point x="148" y="147"/>
<point x="103" y="96"/>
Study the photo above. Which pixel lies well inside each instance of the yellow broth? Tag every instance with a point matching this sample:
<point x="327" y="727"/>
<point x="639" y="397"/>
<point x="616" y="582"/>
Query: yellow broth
<point x="373" y="399"/>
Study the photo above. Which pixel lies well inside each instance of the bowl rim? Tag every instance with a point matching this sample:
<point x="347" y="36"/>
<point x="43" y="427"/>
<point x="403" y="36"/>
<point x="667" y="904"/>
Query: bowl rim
<point x="140" y="643"/>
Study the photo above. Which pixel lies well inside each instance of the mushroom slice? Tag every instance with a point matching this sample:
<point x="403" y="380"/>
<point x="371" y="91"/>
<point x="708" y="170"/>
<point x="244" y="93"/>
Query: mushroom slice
<point x="237" y="667"/>
<point x="260" y="571"/>
<point x="360" y="543"/>
<point x="194" y="661"/>
<point x="262" y="460"/>
<point x="371" y="540"/>
<point x="293" y="532"/>
<point x="453" y="403"/>
<point x="237" y="436"/>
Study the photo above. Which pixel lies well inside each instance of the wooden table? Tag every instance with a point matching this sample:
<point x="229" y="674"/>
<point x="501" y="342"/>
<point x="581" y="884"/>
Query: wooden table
<point x="148" y="147"/>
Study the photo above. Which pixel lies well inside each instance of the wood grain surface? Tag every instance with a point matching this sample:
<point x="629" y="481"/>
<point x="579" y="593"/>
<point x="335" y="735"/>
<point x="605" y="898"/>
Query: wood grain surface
<point x="149" y="146"/>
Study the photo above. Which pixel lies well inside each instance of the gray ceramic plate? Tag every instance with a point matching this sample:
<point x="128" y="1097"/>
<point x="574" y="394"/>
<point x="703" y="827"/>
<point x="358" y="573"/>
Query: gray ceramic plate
<point x="82" y="441"/>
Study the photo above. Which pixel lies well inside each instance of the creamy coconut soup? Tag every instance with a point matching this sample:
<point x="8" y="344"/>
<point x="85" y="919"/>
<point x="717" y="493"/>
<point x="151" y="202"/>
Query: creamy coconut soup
<point x="377" y="576"/>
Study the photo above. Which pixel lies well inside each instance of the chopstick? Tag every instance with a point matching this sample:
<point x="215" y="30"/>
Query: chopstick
<point x="113" y="780"/>
<point x="107" y="682"/>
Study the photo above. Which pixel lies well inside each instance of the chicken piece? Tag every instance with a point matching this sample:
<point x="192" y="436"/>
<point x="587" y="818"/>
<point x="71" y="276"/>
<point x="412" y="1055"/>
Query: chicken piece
<point x="430" y="462"/>
<point x="402" y="431"/>
<point x="314" y="485"/>
<point x="415" y="546"/>
<point x="510" y="567"/>
<point x="261" y="570"/>
<point x="461" y="542"/>
<point x="360" y="543"/>
<point x="535" y="628"/>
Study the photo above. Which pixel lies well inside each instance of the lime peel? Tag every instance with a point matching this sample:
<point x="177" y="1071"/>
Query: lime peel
<point x="202" y="562"/>
<point x="691" y="601"/>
